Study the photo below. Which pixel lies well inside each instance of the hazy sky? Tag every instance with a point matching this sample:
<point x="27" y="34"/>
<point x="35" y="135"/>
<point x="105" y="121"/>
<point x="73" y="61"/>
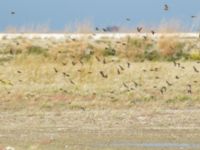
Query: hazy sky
<point x="58" y="13"/>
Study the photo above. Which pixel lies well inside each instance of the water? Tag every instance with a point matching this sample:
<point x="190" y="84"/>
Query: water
<point x="126" y="144"/>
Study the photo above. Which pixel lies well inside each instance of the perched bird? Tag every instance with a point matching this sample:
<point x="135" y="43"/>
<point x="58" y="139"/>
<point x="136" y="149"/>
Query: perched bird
<point x="124" y="44"/>
<point x="139" y="29"/>
<point x="176" y="63"/>
<point x="157" y="77"/>
<point x="166" y="7"/>
<point x="163" y="89"/>
<point x="128" y="64"/>
<point x="73" y="63"/>
<point x="177" y="77"/>
<point x="189" y="88"/>
<point x="195" y="69"/>
<point x="65" y="74"/>
<point x="195" y="81"/>
<point x="182" y="67"/>
<point x="19" y="71"/>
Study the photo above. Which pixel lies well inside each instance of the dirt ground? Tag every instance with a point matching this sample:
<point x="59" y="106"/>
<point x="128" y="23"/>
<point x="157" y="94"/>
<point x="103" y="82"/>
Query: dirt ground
<point x="100" y="129"/>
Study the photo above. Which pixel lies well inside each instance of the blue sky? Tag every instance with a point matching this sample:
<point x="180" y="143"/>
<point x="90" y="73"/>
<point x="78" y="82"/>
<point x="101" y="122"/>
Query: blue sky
<point x="59" y="13"/>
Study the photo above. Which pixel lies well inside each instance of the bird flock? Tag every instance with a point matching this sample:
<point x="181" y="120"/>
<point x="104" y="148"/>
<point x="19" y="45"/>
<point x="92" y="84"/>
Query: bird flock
<point x="121" y="69"/>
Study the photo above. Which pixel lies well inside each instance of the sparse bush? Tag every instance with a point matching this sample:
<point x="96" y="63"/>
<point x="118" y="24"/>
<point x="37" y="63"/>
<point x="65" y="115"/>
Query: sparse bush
<point x="37" y="50"/>
<point x="170" y="48"/>
<point x="109" y="51"/>
<point x="152" y="56"/>
<point x="195" y="55"/>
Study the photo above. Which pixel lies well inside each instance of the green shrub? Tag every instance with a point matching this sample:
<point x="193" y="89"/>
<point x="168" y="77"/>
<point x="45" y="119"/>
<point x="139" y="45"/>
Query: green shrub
<point x="109" y="51"/>
<point x="152" y="55"/>
<point x="37" y="50"/>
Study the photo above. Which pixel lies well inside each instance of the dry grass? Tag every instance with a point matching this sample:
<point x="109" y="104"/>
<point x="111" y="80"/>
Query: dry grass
<point x="52" y="92"/>
<point x="51" y="74"/>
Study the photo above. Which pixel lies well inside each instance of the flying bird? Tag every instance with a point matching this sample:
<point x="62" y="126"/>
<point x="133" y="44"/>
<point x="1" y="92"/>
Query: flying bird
<point x="195" y="69"/>
<point x="153" y="32"/>
<point x="12" y="13"/>
<point x="166" y="7"/>
<point x="97" y="29"/>
<point x="139" y="29"/>
<point x="193" y="17"/>
<point x="168" y="83"/>
<point x="56" y="71"/>
<point x="128" y="19"/>
<point x="103" y="75"/>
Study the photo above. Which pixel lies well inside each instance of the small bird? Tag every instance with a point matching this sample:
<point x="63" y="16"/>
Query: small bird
<point x="103" y="75"/>
<point x="195" y="81"/>
<point x="166" y="7"/>
<point x="182" y="67"/>
<point x="81" y="62"/>
<point x="122" y="69"/>
<point x="12" y="13"/>
<point x="118" y="72"/>
<point x="195" y="69"/>
<point x="64" y="64"/>
<point x="125" y="85"/>
<point x="163" y="89"/>
<point x="72" y="82"/>
<point x="189" y="91"/>
<point x="128" y="64"/>
<point x="189" y="88"/>
<point x="193" y="17"/>
<point x="65" y="74"/>
<point x="104" y="61"/>
<point x="97" y="29"/>
<point x="56" y="71"/>
<point x="145" y="38"/>
<point x="177" y="77"/>
<point x="19" y="71"/>
<point x="73" y="63"/>
<point x="135" y="84"/>
<point x="153" y="32"/>
<point x="104" y="30"/>
<point x="128" y="19"/>
<point x="157" y="77"/>
<point x="139" y="29"/>
<point x="168" y="83"/>
<point x="98" y="59"/>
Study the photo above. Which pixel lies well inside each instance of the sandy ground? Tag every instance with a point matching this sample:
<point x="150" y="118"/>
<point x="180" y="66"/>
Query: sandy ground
<point x="100" y="129"/>
<point x="95" y="35"/>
